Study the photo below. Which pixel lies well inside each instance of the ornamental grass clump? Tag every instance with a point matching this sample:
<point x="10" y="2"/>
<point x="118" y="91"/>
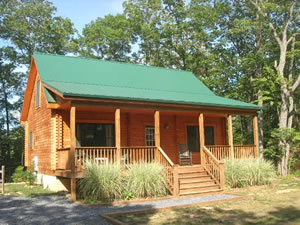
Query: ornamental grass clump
<point x="145" y="180"/>
<point x="101" y="182"/>
<point x="248" y="172"/>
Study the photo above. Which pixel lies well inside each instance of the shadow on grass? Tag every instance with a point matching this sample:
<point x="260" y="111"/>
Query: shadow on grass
<point x="194" y="215"/>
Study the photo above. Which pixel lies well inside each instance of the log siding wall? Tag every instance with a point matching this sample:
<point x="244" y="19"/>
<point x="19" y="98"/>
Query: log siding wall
<point x="39" y="123"/>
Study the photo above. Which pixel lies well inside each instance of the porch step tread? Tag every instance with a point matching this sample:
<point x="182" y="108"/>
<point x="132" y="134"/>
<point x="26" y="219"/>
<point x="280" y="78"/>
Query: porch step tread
<point x="202" y="192"/>
<point x="191" y="170"/>
<point x="200" y="186"/>
<point x="193" y="176"/>
<point x="201" y="182"/>
<point x="195" y="180"/>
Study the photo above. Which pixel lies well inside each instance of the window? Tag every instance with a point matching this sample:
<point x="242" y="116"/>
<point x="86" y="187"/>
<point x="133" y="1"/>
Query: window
<point x="193" y="138"/>
<point x="95" y="134"/>
<point x="38" y="94"/>
<point x="150" y="135"/>
<point x="30" y="140"/>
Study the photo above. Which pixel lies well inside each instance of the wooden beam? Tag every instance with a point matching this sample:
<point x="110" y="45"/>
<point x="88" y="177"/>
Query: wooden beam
<point x="176" y="181"/>
<point x="118" y="134"/>
<point x="157" y="134"/>
<point x="73" y="189"/>
<point x="3" y="179"/>
<point x="157" y="106"/>
<point x="202" y="137"/>
<point x="157" y="128"/>
<point x="71" y="158"/>
<point x="230" y="136"/>
<point x="255" y="136"/>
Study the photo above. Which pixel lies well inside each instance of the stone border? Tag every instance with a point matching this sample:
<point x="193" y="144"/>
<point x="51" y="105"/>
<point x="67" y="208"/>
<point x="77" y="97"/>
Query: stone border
<point x="110" y="216"/>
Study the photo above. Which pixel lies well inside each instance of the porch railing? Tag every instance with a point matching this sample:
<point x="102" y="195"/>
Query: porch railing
<point x="63" y="159"/>
<point x="214" y="167"/>
<point x="137" y="154"/>
<point x="219" y="151"/>
<point x="239" y="151"/>
<point x="101" y="155"/>
<point x="244" y="151"/>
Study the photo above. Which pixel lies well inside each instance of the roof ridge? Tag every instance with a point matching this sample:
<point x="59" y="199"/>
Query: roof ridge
<point x="111" y="61"/>
<point x="149" y="89"/>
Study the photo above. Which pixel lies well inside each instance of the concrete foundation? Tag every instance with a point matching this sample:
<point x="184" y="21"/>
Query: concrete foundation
<point x="53" y="183"/>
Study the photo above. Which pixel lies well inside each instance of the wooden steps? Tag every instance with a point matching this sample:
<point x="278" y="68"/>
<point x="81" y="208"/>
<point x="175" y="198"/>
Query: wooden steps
<point x="194" y="180"/>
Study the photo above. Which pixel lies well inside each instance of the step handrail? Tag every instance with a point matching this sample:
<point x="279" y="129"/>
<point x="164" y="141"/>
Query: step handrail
<point x="214" y="167"/>
<point x="166" y="156"/>
<point x="170" y="170"/>
<point x="211" y="155"/>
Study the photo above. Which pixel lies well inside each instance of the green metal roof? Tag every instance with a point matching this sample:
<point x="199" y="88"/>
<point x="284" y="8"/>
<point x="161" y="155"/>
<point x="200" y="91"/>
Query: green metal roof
<point x="91" y="78"/>
<point x="49" y="96"/>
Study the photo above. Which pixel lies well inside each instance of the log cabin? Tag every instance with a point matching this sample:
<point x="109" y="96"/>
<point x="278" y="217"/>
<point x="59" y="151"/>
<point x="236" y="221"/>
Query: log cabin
<point x="77" y="109"/>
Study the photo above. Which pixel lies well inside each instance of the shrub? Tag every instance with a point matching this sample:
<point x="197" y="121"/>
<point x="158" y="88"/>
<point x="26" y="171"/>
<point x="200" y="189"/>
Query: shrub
<point x="145" y="180"/>
<point x="248" y="172"/>
<point x="20" y="175"/>
<point x="101" y="181"/>
<point x="115" y="182"/>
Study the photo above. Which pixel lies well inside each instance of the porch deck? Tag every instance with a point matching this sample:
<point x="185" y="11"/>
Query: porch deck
<point x="207" y="177"/>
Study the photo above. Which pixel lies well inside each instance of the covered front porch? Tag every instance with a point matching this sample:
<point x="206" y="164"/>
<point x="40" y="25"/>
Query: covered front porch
<point x="144" y="135"/>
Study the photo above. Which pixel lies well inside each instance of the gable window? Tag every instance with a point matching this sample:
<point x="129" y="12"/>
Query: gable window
<point x="193" y="138"/>
<point x="30" y="140"/>
<point x="150" y="135"/>
<point x="38" y="94"/>
<point x="95" y="134"/>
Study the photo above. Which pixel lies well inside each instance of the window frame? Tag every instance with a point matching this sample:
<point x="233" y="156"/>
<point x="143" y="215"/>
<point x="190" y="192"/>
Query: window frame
<point x="149" y="142"/>
<point x="38" y="94"/>
<point x="30" y="140"/>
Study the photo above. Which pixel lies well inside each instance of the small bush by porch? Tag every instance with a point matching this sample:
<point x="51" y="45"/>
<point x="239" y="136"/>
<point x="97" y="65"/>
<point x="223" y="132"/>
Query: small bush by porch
<point x="115" y="182"/>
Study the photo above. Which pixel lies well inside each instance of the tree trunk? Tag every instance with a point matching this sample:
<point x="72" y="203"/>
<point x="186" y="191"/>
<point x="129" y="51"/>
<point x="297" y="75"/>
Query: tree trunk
<point x="259" y="75"/>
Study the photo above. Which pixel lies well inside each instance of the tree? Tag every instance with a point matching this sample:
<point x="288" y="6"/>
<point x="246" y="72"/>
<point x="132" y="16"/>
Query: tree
<point x="107" y="38"/>
<point x="144" y="17"/>
<point x="30" y="25"/>
<point x="283" y="22"/>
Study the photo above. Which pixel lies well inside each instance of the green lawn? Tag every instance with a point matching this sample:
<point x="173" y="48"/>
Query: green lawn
<point x="267" y="205"/>
<point x="21" y="189"/>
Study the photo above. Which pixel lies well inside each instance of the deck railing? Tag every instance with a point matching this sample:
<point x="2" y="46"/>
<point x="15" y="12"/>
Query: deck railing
<point x="214" y="167"/>
<point x="244" y="151"/>
<point x="239" y="151"/>
<point x="105" y="155"/>
<point x="63" y="159"/>
<point x="219" y="151"/>
<point x="101" y="155"/>
<point x="137" y="154"/>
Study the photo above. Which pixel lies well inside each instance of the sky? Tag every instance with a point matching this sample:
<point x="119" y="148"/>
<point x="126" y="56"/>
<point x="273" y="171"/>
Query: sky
<point x="82" y="12"/>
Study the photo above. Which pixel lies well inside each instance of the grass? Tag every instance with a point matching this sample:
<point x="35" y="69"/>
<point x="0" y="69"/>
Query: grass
<point x="24" y="190"/>
<point x="274" y="204"/>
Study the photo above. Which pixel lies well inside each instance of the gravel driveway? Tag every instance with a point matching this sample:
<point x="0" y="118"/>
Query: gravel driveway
<point x="58" y="210"/>
<point x="46" y="210"/>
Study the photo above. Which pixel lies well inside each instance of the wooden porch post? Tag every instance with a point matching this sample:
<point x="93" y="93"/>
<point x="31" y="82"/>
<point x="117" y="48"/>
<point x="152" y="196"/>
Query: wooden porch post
<point x="118" y="134"/>
<point x="157" y="133"/>
<point x="202" y="138"/>
<point x="230" y="136"/>
<point x="255" y="137"/>
<point x="72" y="151"/>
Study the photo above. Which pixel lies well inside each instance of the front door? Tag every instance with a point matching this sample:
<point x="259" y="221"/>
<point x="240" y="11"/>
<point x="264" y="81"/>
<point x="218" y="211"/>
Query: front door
<point x="193" y="137"/>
